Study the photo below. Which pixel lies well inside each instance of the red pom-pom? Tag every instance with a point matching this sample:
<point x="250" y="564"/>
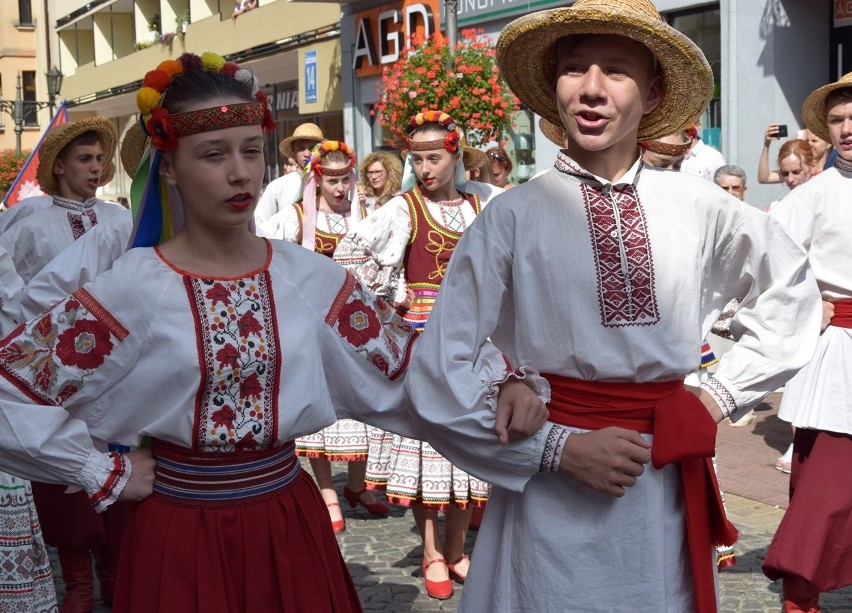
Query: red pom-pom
<point x="230" y="69"/>
<point x="157" y="79"/>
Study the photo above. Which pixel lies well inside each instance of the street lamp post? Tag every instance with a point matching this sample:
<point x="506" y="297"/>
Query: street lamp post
<point x="15" y="107"/>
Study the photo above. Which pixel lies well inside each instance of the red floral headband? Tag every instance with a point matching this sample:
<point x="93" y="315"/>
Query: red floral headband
<point x="165" y="128"/>
<point x="322" y="149"/>
<point x="451" y="142"/>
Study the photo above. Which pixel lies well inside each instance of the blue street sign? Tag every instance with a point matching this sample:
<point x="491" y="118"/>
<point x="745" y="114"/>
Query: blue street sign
<point x="310" y="76"/>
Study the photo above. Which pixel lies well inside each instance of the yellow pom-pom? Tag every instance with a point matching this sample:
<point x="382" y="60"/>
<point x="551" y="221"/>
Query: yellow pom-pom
<point x="147" y="99"/>
<point x="212" y="61"/>
<point x="332" y="145"/>
<point x="172" y="67"/>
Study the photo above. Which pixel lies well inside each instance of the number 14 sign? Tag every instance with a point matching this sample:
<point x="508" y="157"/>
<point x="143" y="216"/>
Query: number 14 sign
<point x="310" y="76"/>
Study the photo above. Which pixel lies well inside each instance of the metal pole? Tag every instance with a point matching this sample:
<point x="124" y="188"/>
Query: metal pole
<point x="451" y="8"/>
<point x="18" y="116"/>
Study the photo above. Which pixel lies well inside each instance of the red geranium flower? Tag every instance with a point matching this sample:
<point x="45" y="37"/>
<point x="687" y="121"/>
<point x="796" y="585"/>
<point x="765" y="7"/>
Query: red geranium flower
<point x="358" y="323"/>
<point x="161" y="130"/>
<point x="84" y="345"/>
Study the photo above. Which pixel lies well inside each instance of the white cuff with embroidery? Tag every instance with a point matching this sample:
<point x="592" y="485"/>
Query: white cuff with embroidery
<point x="104" y="476"/>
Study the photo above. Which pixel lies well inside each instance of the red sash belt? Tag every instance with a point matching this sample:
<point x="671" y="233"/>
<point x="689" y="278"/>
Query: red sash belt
<point x="842" y="314"/>
<point x="684" y="432"/>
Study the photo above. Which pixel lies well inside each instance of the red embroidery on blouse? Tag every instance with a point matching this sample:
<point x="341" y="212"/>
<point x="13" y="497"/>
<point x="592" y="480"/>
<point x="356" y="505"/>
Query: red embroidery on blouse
<point x="118" y="470"/>
<point x="52" y="357"/>
<point x="78" y="229"/>
<point x="624" y="268"/>
<point x="371" y="327"/>
<point x="237" y="340"/>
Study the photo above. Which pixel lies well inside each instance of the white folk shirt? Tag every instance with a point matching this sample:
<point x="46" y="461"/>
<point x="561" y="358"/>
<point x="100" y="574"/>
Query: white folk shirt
<point x="23" y="209"/>
<point x="280" y="194"/>
<point x="147" y="350"/>
<point x="37" y="239"/>
<point x="702" y="160"/>
<point x="543" y="272"/>
<point x="819" y="215"/>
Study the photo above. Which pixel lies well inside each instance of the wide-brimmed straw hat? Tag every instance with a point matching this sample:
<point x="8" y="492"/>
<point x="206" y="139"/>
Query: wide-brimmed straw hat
<point x="56" y="140"/>
<point x="554" y="133"/>
<point x="525" y="54"/>
<point x="306" y="131"/>
<point x="814" y="113"/>
<point x="132" y="148"/>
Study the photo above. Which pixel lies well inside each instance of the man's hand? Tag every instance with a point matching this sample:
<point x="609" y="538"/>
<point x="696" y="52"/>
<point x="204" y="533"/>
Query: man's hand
<point x="141" y="482"/>
<point x="520" y="412"/>
<point x="827" y="313"/>
<point x="606" y="460"/>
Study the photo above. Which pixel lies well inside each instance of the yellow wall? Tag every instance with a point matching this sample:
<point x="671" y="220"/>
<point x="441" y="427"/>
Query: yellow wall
<point x="17" y="54"/>
<point x="329" y="88"/>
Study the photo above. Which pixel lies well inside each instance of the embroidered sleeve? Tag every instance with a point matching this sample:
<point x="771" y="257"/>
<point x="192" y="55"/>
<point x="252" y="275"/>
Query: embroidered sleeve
<point x="553" y="446"/>
<point x="371" y="327"/>
<point x="374" y="250"/>
<point x="721" y="395"/>
<point x="104" y="476"/>
<point x="52" y="357"/>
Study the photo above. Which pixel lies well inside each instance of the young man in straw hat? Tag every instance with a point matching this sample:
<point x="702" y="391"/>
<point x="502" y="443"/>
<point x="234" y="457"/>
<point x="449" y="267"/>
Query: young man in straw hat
<point x="287" y="189"/>
<point x="75" y="159"/>
<point x="597" y="282"/>
<point x="812" y="548"/>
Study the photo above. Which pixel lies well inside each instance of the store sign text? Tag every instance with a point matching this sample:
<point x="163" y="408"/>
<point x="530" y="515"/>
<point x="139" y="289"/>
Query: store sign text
<point x="382" y="34"/>
<point x="842" y="13"/>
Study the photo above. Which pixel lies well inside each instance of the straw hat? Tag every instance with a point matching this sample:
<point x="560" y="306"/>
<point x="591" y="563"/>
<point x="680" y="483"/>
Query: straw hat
<point x="525" y="54"/>
<point x="306" y="131"/>
<point x="554" y="133"/>
<point x="132" y="148"/>
<point x="814" y="112"/>
<point x="56" y="139"/>
<point x="673" y="149"/>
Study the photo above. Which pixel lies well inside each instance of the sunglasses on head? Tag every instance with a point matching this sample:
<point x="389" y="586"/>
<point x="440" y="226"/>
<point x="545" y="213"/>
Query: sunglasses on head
<point x="497" y="156"/>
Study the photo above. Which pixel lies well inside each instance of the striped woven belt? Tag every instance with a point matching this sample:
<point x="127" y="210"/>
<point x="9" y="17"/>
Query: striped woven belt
<point x="222" y="479"/>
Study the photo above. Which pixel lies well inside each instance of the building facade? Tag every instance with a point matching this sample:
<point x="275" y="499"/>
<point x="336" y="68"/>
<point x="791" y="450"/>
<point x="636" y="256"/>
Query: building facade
<point x="18" y="45"/>
<point x="104" y="48"/>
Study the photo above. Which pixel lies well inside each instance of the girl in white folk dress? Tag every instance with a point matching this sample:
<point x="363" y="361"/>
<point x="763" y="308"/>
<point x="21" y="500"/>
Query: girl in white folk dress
<point x="222" y="348"/>
<point x="326" y="212"/>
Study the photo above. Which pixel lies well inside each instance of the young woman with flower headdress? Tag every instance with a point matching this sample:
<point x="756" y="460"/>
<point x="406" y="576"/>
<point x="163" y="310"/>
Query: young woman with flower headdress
<point x="326" y="212"/>
<point x="221" y="347"/>
<point x="401" y="251"/>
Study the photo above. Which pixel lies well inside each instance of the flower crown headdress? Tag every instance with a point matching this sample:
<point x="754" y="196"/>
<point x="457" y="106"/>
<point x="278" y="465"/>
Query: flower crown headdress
<point x="165" y="128"/>
<point x="322" y="149"/>
<point x="157" y="211"/>
<point x="451" y="142"/>
<point x="314" y="171"/>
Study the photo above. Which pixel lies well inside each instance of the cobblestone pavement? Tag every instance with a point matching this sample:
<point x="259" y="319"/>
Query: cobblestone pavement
<point x="384" y="555"/>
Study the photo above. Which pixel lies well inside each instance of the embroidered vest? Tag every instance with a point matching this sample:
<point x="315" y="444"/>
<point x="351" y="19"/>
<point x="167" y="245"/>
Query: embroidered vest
<point x="325" y="242"/>
<point x="427" y="255"/>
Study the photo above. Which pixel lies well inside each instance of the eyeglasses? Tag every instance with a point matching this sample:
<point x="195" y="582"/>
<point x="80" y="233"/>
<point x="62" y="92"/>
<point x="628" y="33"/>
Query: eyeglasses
<point x="497" y="156"/>
<point x="375" y="173"/>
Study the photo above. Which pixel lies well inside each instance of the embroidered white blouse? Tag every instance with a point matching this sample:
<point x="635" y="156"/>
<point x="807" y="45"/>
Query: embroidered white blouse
<point x="819" y="215"/>
<point x="375" y="248"/>
<point x="38" y="238"/>
<point x="213" y="364"/>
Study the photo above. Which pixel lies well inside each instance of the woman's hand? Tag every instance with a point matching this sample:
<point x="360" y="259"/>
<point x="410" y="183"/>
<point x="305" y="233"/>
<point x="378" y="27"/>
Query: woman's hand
<point x="141" y="482"/>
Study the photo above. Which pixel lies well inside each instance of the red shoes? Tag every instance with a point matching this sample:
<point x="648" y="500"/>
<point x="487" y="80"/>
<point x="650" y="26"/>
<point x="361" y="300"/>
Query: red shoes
<point x="437" y="589"/>
<point x="339" y="525"/>
<point x="452" y="568"/>
<point x="355" y="498"/>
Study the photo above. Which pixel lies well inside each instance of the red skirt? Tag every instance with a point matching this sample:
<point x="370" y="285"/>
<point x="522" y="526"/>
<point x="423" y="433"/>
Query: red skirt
<point x="273" y="554"/>
<point x="67" y="520"/>
<point x="814" y="539"/>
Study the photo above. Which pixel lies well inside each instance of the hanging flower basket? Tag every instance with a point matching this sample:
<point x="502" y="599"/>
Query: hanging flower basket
<point x="467" y="85"/>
